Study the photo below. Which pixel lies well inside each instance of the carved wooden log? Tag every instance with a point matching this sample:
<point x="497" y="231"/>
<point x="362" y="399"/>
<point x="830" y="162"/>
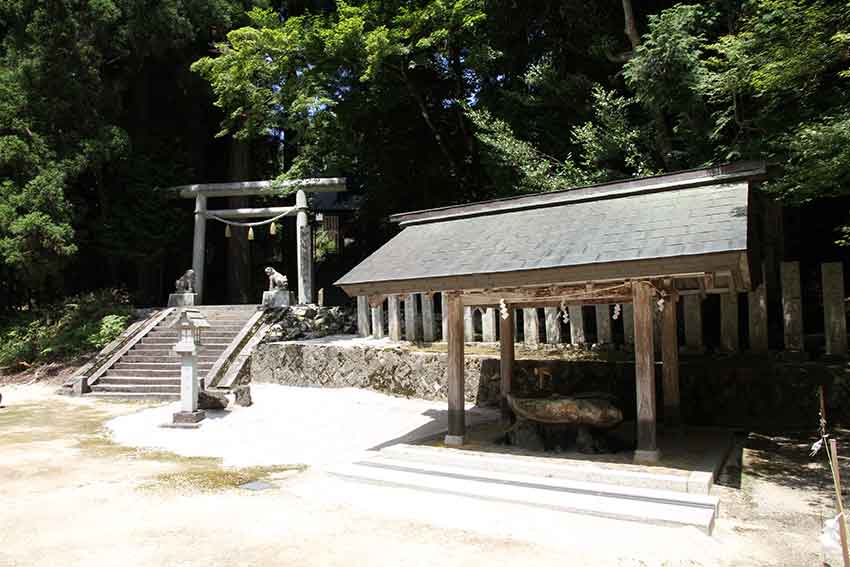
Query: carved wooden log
<point x="595" y="412"/>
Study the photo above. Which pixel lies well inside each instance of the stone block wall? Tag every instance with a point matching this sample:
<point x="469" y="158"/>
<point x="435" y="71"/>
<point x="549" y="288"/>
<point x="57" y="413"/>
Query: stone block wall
<point x="725" y="391"/>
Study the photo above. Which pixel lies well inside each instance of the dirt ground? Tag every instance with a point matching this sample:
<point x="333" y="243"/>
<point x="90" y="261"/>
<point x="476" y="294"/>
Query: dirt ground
<point x="71" y="497"/>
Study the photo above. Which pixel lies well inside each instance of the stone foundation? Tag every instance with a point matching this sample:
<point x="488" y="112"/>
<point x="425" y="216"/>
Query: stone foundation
<point x="722" y="391"/>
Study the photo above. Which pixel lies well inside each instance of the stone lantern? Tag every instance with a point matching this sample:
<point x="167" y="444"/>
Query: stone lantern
<point x="186" y="349"/>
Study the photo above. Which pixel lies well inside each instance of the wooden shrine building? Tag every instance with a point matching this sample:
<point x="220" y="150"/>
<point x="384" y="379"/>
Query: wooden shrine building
<point x="644" y="241"/>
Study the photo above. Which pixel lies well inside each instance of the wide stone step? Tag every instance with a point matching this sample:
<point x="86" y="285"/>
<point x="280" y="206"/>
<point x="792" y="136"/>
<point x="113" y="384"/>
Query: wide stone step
<point x="162" y="359"/>
<point x="586" y="498"/>
<point x="137" y="396"/>
<point x="171" y="341"/>
<point x="170" y="373"/>
<point x="174" y="335"/>
<point x="130" y="380"/>
<point x="137" y="388"/>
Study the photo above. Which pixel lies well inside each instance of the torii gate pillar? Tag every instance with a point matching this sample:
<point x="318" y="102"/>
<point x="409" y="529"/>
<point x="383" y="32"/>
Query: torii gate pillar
<point x="199" y="245"/>
<point x="304" y="250"/>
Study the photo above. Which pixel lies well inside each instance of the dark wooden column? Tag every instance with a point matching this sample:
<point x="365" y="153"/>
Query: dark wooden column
<point x="454" y="328"/>
<point x="506" y="361"/>
<point x="647" y="448"/>
<point x="670" y="357"/>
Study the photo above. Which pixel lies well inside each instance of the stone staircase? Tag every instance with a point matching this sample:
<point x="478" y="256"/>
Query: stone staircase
<point x="150" y="370"/>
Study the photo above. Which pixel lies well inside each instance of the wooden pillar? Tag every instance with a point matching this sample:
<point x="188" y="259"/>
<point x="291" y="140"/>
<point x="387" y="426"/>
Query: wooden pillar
<point x="670" y="368"/>
<point x="792" y="306"/>
<point x="445" y="319"/>
<point x="468" y="325"/>
<point x="576" y="325"/>
<point x="834" y="317"/>
<point x="411" y="321"/>
<point x="628" y="315"/>
<point x="506" y="362"/>
<point x="456" y="418"/>
<point x="488" y="325"/>
<point x="428" y="334"/>
<point x="603" y="325"/>
<point x="362" y="316"/>
<point x="394" y="317"/>
<point x="729" y="321"/>
<point x="647" y="446"/>
<point x="199" y="244"/>
<point x="553" y="325"/>
<point x="304" y="250"/>
<point x="378" y="321"/>
<point x="692" y="312"/>
<point x="757" y="308"/>
<point x="531" y="326"/>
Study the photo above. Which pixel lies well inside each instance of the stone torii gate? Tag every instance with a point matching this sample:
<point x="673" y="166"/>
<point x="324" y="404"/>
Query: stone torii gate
<point x="304" y="245"/>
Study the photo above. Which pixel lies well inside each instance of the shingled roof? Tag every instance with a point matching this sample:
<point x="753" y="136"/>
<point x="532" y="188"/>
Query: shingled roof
<point x="682" y="223"/>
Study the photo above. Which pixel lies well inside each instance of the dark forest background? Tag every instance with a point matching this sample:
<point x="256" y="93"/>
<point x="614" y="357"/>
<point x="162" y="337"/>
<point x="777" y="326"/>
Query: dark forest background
<point x="418" y="103"/>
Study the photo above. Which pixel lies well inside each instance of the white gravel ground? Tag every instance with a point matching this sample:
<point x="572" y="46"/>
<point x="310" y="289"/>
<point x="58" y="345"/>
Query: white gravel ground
<point x="287" y="425"/>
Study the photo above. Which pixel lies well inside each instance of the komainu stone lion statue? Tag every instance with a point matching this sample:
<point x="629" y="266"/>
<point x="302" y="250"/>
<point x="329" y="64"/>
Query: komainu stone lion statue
<point x="185" y="283"/>
<point x="276" y="280"/>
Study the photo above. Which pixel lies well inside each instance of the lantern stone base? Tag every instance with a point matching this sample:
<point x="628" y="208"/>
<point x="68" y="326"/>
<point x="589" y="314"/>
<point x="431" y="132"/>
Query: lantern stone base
<point x="181" y="299"/>
<point x="189" y="416"/>
<point x="276" y="298"/>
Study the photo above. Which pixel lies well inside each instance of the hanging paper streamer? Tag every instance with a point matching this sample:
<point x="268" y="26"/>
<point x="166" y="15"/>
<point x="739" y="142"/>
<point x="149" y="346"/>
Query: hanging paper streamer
<point x="273" y="229"/>
<point x="503" y="309"/>
<point x="227" y="231"/>
<point x="251" y="233"/>
<point x="617" y="310"/>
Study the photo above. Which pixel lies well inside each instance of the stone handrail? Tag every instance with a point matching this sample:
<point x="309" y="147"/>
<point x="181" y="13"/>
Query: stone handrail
<point x="213" y="377"/>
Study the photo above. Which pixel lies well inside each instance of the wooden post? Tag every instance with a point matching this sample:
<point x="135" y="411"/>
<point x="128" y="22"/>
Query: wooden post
<point x="757" y="307"/>
<point x="378" y="322"/>
<point x="304" y="250"/>
<point x="576" y="325"/>
<point x="445" y="318"/>
<point x="394" y="317"/>
<point x="456" y="418"/>
<point x="670" y="367"/>
<point x="692" y="312"/>
<point x="834" y="317"/>
<point x="531" y="326"/>
<point x="199" y="244"/>
<point x="488" y="325"/>
<point x="553" y="325"/>
<point x="411" y="321"/>
<point x="428" y="334"/>
<point x="506" y="362"/>
<point x="362" y="316"/>
<point x="729" y="321"/>
<point x="628" y="315"/>
<point x="792" y="306"/>
<point x="839" y="500"/>
<point x="603" y="325"/>
<point x="468" y="325"/>
<point x="647" y="446"/>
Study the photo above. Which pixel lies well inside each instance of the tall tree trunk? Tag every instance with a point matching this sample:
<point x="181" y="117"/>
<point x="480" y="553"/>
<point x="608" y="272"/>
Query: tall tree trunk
<point x="423" y="110"/>
<point x="662" y="130"/>
<point x="238" y="246"/>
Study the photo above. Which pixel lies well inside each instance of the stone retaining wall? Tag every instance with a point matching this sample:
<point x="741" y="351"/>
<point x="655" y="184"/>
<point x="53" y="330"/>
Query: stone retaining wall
<point x="736" y="391"/>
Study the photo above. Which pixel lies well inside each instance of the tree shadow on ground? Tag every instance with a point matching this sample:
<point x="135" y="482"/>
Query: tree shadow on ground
<point x="783" y="458"/>
<point x="436" y="428"/>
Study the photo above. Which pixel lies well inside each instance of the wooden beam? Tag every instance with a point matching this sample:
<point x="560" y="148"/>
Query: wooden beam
<point x="488" y="325"/>
<point x="506" y="362"/>
<point x="757" y="315"/>
<point x="834" y="314"/>
<point x="553" y="325"/>
<point x="428" y="330"/>
<point x="792" y="306"/>
<point x="729" y="336"/>
<point x="577" y="336"/>
<point x="378" y="321"/>
<point x="456" y="415"/>
<point x="628" y="315"/>
<point x="692" y="311"/>
<point x="249" y="213"/>
<point x="445" y="317"/>
<point x="411" y="320"/>
<point x="394" y="317"/>
<point x="647" y="446"/>
<point x="531" y="326"/>
<point x="265" y="187"/>
<point x="670" y="368"/>
<point x="468" y="325"/>
<point x="362" y="316"/>
<point x="603" y="325"/>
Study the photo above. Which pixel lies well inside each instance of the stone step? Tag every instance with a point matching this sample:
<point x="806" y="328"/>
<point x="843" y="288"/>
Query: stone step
<point x="130" y="380"/>
<point x="137" y="388"/>
<point x="594" y="499"/>
<point x="171" y="341"/>
<point x="169" y="373"/>
<point x="136" y="396"/>
<point x="206" y="333"/>
<point x="169" y="366"/>
<point x="165" y="357"/>
<point x="694" y="482"/>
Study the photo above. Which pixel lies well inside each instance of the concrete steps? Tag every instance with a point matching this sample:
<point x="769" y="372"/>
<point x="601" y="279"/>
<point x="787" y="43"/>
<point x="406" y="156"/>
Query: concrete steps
<point x="151" y="370"/>
<point x="473" y="478"/>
